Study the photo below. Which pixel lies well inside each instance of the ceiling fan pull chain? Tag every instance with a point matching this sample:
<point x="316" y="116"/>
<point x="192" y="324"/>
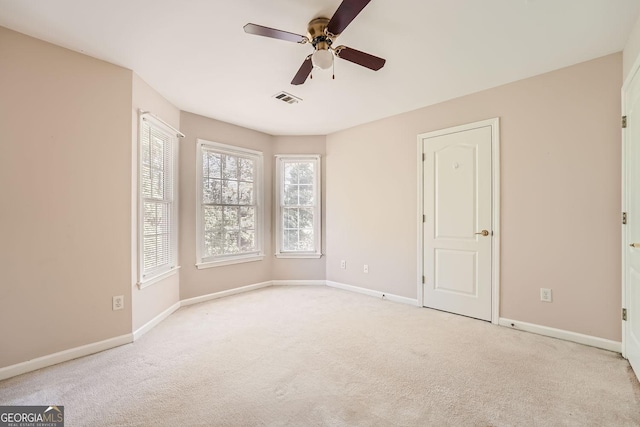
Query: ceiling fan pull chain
<point x="333" y="70"/>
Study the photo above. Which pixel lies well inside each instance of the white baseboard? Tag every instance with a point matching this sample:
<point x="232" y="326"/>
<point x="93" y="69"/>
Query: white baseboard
<point x="372" y="293"/>
<point x="563" y="335"/>
<point x="63" y="356"/>
<point x="223" y="294"/>
<point x="298" y="282"/>
<point x="155" y="321"/>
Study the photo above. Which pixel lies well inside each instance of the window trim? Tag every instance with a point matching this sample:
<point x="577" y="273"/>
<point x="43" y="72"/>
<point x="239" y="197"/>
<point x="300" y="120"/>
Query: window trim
<point x="159" y="274"/>
<point x="259" y="188"/>
<point x="279" y="195"/>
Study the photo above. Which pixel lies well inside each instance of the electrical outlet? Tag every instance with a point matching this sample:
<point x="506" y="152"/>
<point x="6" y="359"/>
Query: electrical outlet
<point x="366" y="268"/>
<point x="545" y="295"/>
<point x="118" y="302"/>
<point x="343" y="264"/>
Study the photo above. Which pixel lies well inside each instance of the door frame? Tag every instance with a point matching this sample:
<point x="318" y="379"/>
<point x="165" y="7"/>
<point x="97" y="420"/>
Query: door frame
<point x="634" y="72"/>
<point x="495" y="207"/>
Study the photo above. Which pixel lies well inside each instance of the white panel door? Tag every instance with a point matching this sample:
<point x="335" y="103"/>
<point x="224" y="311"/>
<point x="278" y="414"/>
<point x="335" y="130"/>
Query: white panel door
<point x="458" y="219"/>
<point x="632" y="247"/>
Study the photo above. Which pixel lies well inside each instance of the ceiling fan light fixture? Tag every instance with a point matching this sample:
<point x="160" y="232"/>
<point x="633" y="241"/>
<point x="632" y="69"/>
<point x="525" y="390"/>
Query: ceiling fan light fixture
<point x="322" y="58"/>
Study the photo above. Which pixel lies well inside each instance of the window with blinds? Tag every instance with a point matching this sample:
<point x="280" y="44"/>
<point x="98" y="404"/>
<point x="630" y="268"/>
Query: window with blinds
<point x="158" y="225"/>
<point x="229" y="204"/>
<point x="298" y="203"/>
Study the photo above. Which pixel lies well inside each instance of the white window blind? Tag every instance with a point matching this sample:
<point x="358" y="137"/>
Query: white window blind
<point x="158" y="222"/>
<point x="229" y="204"/>
<point x="298" y="202"/>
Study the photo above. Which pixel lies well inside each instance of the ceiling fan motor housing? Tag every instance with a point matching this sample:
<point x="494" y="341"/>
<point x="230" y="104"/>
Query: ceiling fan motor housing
<point x="318" y="35"/>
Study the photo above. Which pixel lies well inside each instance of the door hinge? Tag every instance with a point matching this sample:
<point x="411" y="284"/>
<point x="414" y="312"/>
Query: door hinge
<point x="423" y="279"/>
<point x="624" y="122"/>
<point x="624" y="218"/>
<point x="624" y="314"/>
<point x="424" y="218"/>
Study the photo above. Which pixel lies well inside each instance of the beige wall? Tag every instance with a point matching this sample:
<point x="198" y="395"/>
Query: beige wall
<point x="65" y="210"/>
<point x="631" y="50"/>
<point x="301" y="269"/>
<point x="148" y="302"/>
<point x="194" y="282"/>
<point x="560" y="181"/>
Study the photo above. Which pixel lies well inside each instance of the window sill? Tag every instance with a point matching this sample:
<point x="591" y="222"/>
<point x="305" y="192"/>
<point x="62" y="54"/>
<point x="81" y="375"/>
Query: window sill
<point x="299" y="255"/>
<point x="229" y="261"/>
<point x="152" y="281"/>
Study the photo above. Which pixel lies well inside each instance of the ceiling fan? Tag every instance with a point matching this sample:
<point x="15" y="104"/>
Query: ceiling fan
<point x="322" y="33"/>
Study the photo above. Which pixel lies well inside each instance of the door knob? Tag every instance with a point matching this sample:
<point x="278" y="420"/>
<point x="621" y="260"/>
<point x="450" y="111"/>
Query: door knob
<point x="635" y="245"/>
<point x="485" y="233"/>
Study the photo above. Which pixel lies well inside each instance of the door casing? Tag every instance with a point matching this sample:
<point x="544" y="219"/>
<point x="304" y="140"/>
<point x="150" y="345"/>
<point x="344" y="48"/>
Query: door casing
<point x="495" y="207"/>
<point x="634" y="73"/>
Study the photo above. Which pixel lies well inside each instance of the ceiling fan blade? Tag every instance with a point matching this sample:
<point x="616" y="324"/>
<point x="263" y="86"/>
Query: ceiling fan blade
<point x="303" y="72"/>
<point x="360" y="58"/>
<point x="259" y="30"/>
<point x="347" y="11"/>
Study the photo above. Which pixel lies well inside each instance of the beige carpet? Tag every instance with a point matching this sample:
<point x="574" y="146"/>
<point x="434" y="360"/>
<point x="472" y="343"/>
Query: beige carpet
<point x="316" y="356"/>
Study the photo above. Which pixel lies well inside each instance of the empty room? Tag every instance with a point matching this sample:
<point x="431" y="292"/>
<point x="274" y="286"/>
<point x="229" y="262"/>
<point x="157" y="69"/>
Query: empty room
<point x="320" y="213"/>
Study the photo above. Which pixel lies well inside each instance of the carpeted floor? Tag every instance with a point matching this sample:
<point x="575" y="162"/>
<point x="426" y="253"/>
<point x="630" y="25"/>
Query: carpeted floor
<point x="317" y="356"/>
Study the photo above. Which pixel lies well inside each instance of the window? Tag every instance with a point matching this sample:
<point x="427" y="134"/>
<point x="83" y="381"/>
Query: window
<point x="298" y="204"/>
<point x="229" y="222"/>
<point x="157" y="246"/>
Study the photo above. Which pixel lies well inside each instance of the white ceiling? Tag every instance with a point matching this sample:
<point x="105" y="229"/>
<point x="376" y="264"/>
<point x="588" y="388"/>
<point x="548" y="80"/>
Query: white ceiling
<point x="197" y="55"/>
